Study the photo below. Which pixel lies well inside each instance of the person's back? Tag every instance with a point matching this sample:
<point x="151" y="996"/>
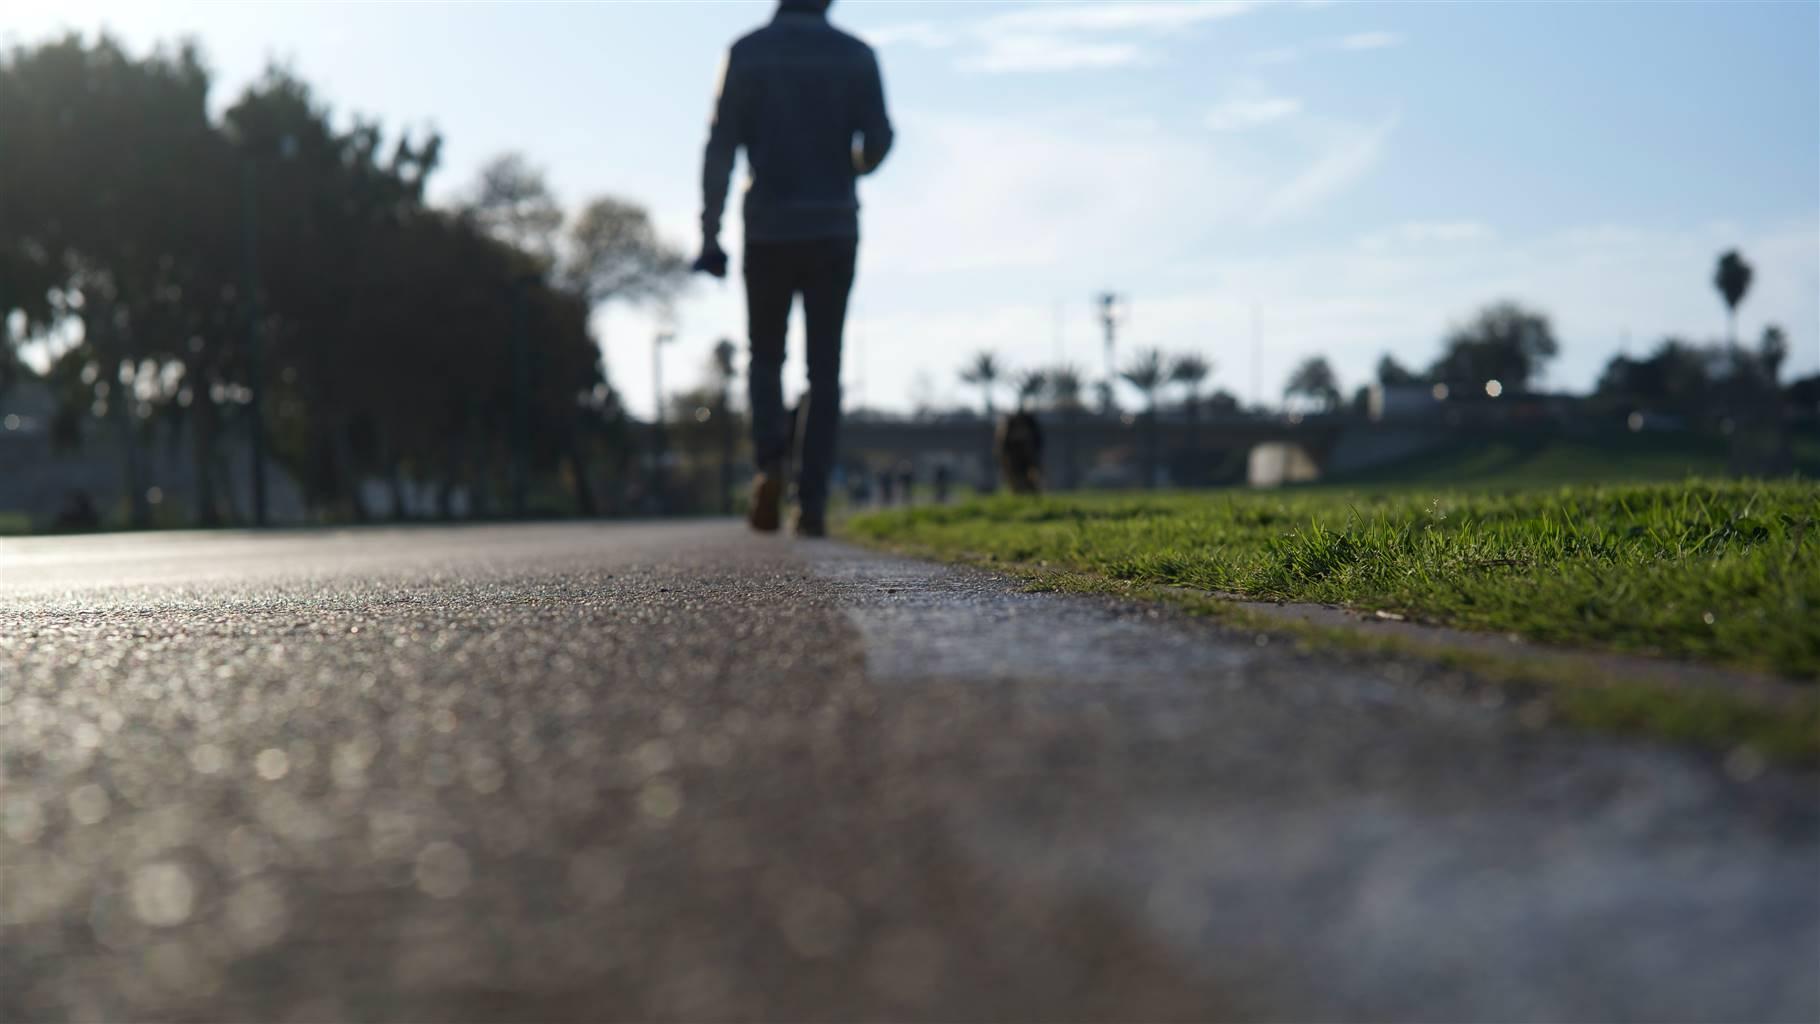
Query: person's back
<point x="806" y="103"/>
<point x="803" y="88"/>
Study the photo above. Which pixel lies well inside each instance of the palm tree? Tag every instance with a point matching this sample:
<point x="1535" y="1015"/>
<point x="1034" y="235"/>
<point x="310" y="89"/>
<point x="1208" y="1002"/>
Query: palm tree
<point x="1030" y="385"/>
<point x="1314" y="379"/>
<point x="1065" y="384"/>
<point x="1146" y="373"/>
<point x="983" y="371"/>
<point x="1190" y="370"/>
<point x="1732" y="278"/>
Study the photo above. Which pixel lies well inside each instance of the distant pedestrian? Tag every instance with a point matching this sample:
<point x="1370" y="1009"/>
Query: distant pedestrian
<point x="944" y="478"/>
<point x="806" y="102"/>
<point x="884" y="487"/>
<point x="1019" y="444"/>
<point x="906" y="481"/>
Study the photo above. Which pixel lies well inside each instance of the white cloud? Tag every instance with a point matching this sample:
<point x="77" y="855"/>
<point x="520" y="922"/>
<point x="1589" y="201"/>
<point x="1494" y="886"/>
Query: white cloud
<point x="1277" y="55"/>
<point x="1073" y="36"/>
<point x="1239" y="114"/>
<point x="1080" y="189"/>
<point x="1050" y="53"/>
<point x="1150" y="15"/>
<point x="993" y="221"/>
<point x="1348" y="156"/>
<point x="1013" y="194"/>
<point x="1370" y="41"/>
<point x="1358" y="41"/>
<point x="1428" y="232"/>
<point x="926" y="34"/>
<point x="1050" y="37"/>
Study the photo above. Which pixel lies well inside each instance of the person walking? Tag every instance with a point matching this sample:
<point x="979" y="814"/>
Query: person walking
<point x="806" y="102"/>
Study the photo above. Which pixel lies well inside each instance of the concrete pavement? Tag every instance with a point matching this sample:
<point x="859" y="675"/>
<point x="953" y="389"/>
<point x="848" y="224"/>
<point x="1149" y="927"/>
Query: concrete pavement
<point x="674" y="771"/>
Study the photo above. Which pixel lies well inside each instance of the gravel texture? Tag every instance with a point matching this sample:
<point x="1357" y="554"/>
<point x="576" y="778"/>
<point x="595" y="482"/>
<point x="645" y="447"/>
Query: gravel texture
<point x="673" y="771"/>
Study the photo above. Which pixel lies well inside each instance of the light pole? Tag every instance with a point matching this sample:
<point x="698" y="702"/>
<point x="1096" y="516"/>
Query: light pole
<point x="725" y="352"/>
<point x="1113" y="308"/>
<point x="255" y="355"/>
<point x="521" y="391"/>
<point x="666" y="333"/>
<point x="1257" y="360"/>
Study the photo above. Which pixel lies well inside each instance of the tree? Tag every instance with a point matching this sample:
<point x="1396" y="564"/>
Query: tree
<point x="1394" y="374"/>
<point x="1678" y="378"/>
<point x="614" y="255"/>
<point x="360" y="289"/>
<point x="984" y="373"/>
<point x="1146" y="372"/>
<point x="1805" y="393"/>
<point x="111" y="176"/>
<point x="1771" y="352"/>
<point x="390" y="331"/>
<point x="1314" y="380"/>
<point x="1191" y="370"/>
<point x="512" y="202"/>
<point x="1030" y="386"/>
<point x="1732" y="277"/>
<point x="1503" y="342"/>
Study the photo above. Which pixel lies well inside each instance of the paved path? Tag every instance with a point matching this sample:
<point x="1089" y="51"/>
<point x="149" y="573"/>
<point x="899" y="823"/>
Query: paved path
<point x="672" y="771"/>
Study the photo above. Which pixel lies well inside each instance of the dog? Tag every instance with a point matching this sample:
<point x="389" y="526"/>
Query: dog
<point x="1018" y="442"/>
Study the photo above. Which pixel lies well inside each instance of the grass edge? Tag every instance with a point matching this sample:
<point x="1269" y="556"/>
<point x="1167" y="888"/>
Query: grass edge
<point x="1638" y="707"/>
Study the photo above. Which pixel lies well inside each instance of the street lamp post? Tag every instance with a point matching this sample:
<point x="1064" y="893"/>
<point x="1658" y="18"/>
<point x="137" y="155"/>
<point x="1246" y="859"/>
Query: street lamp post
<point x="666" y="333"/>
<point x="255" y="354"/>
<point x="521" y="393"/>
<point x="249" y="204"/>
<point x="1112" y="312"/>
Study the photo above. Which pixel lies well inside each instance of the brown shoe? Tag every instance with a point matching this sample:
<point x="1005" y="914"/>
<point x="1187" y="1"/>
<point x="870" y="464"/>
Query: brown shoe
<point x="766" y="511"/>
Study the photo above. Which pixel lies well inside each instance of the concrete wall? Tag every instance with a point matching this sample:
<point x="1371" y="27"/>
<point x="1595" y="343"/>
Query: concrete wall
<point x="1275" y="463"/>
<point x="1356" y="450"/>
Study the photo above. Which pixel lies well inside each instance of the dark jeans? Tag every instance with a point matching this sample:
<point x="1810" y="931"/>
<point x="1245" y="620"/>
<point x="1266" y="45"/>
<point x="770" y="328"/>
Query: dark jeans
<point x="776" y="272"/>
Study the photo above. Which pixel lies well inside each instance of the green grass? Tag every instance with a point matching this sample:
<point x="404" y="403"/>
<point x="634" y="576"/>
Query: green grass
<point x="1553" y="460"/>
<point x="1720" y="572"/>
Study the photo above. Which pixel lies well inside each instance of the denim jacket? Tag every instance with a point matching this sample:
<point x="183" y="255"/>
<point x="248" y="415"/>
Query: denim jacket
<point x="807" y="103"/>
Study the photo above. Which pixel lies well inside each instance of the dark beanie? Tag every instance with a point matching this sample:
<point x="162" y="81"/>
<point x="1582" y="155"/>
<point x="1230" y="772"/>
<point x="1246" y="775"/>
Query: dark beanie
<point x="809" y="6"/>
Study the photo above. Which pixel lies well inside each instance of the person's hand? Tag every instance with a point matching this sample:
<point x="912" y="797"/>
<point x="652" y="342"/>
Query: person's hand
<point x="712" y="261"/>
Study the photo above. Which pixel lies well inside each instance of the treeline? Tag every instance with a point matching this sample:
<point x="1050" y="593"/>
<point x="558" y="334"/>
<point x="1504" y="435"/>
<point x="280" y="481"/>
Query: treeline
<point x="277" y="272"/>
<point x="1699" y="383"/>
<point x="1705" y="384"/>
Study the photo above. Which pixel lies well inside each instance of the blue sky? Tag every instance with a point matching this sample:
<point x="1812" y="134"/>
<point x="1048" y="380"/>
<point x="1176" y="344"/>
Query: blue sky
<point x="1350" y="177"/>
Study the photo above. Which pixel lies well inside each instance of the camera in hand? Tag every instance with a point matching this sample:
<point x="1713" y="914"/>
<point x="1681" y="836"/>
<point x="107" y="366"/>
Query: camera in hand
<point x="712" y="261"/>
